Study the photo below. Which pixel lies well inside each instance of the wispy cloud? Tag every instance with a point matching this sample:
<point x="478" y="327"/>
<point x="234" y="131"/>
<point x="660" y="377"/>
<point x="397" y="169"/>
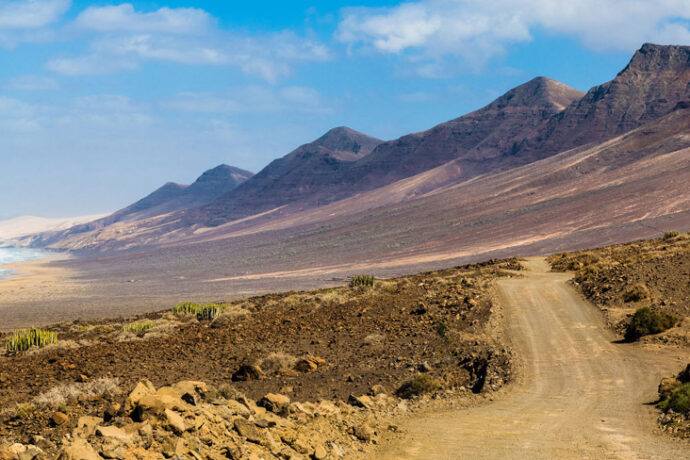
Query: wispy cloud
<point x="124" y="18"/>
<point x="125" y="37"/>
<point x="429" y="31"/>
<point x="31" y="14"/>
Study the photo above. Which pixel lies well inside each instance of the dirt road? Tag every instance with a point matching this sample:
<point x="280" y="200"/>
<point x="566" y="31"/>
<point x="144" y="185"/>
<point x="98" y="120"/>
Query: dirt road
<point x="579" y="396"/>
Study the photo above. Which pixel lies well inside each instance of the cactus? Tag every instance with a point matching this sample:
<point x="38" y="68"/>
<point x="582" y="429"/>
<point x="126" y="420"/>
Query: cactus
<point x="362" y="280"/>
<point x="186" y="308"/>
<point x="23" y="339"/>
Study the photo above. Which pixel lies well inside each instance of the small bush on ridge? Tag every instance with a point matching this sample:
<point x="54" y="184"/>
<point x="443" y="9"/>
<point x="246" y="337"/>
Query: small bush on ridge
<point x="362" y="280"/>
<point x="636" y="293"/>
<point x="670" y="235"/>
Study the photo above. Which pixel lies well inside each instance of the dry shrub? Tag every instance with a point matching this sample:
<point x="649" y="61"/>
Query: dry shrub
<point x="418" y="385"/>
<point x="374" y="339"/>
<point x="60" y="395"/>
<point x="275" y="363"/>
<point x="636" y="293"/>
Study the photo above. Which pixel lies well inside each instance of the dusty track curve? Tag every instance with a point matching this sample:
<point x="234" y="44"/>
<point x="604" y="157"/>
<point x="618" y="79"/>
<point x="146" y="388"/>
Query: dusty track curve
<point x="579" y="396"/>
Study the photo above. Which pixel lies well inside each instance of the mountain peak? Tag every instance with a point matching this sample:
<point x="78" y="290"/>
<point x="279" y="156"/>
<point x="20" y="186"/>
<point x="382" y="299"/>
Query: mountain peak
<point x="344" y="139"/>
<point x="222" y="173"/>
<point x="655" y="58"/>
<point x="538" y="92"/>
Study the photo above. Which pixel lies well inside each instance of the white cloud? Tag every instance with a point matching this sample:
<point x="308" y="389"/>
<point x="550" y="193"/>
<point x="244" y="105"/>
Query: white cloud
<point x="252" y="99"/>
<point x="126" y="37"/>
<point x="31" y="14"/>
<point x="124" y="18"/>
<point x="269" y="57"/>
<point x="476" y="30"/>
<point x="31" y="83"/>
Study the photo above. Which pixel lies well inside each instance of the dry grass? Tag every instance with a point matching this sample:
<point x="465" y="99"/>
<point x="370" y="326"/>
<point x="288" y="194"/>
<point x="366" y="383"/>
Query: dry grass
<point x="374" y="339"/>
<point x="62" y="394"/>
<point x="275" y="363"/>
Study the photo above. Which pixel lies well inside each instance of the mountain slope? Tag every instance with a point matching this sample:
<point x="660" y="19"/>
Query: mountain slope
<point x="483" y="139"/>
<point x="654" y="82"/>
<point x="209" y="186"/>
<point x="306" y="174"/>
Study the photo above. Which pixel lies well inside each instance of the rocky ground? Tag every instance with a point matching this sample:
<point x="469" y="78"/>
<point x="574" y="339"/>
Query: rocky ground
<point x="652" y="273"/>
<point x="300" y="374"/>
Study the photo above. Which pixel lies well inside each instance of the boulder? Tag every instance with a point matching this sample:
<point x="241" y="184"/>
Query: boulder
<point x="363" y="401"/>
<point x="113" y="432"/>
<point x="141" y="389"/>
<point x="667" y="386"/>
<point x="365" y="432"/>
<point x="306" y="365"/>
<point x="276" y="403"/>
<point x="248" y="430"/>
<point x="248" y="372"/>
<point x="191" y="391"/>
<point x="59" y="418"/>
<point x="175" y="421"/>
<point x="79" y="449"/>
<point x="376" y="390"/>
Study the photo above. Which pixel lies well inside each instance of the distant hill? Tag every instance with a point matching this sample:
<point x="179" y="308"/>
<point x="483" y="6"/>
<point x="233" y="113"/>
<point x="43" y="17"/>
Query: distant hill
<point x="27" y="225"/>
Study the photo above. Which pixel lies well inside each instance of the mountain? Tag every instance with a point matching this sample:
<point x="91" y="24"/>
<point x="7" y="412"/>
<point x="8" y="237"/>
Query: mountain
<point x="344" y="172"/>
<point x="312" y="175"/>
<point x="307" y="174"/>
<point x="654" y="82"/>
<point x="211" y="185"/>
<point x="176" y="197"/>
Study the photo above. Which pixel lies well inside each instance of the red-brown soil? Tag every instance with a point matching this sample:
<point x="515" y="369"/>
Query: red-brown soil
<point x="437" y="322"/>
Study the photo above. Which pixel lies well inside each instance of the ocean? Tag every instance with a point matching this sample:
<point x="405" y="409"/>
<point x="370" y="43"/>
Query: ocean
<point x="13" y="255"/>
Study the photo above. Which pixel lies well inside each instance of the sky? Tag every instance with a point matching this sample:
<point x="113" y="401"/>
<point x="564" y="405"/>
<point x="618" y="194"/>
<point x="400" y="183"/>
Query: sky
<point x="101" y="102"/>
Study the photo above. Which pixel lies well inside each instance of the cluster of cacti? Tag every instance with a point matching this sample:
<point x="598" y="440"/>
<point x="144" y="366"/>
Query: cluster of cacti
<point x="209" y="312"/>
<point x="206" y="312"/>
<point x="186" y="308"/>
<point x="139" y="326"/>
<point x="23" y="339"/>
<point x="362" y="280"/>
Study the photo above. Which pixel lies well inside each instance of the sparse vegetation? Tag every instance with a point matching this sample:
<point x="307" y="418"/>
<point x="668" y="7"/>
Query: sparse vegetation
<point x="646" y="321"/>
<point x="24" y="411"/>
<point x="139" y="327"/>
<point x="186" y="308"/>
<point x="62" y="394"/>
<point x="418" y="385"/>
<point x="206" y="312"/>
<point x="275" y="363"/>
<point x="442" y="328"/>
<point x="679" y="401"/>
<point x="23" y="339"/>
<point x="670" y="235"/>
<point x="209" y="312"/>
<point x="362" y="280"/>
<point x="636" y="293"/>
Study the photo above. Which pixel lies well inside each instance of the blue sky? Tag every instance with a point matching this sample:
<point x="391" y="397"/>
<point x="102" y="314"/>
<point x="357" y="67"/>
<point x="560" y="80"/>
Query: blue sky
<point x="102" y="102"/>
